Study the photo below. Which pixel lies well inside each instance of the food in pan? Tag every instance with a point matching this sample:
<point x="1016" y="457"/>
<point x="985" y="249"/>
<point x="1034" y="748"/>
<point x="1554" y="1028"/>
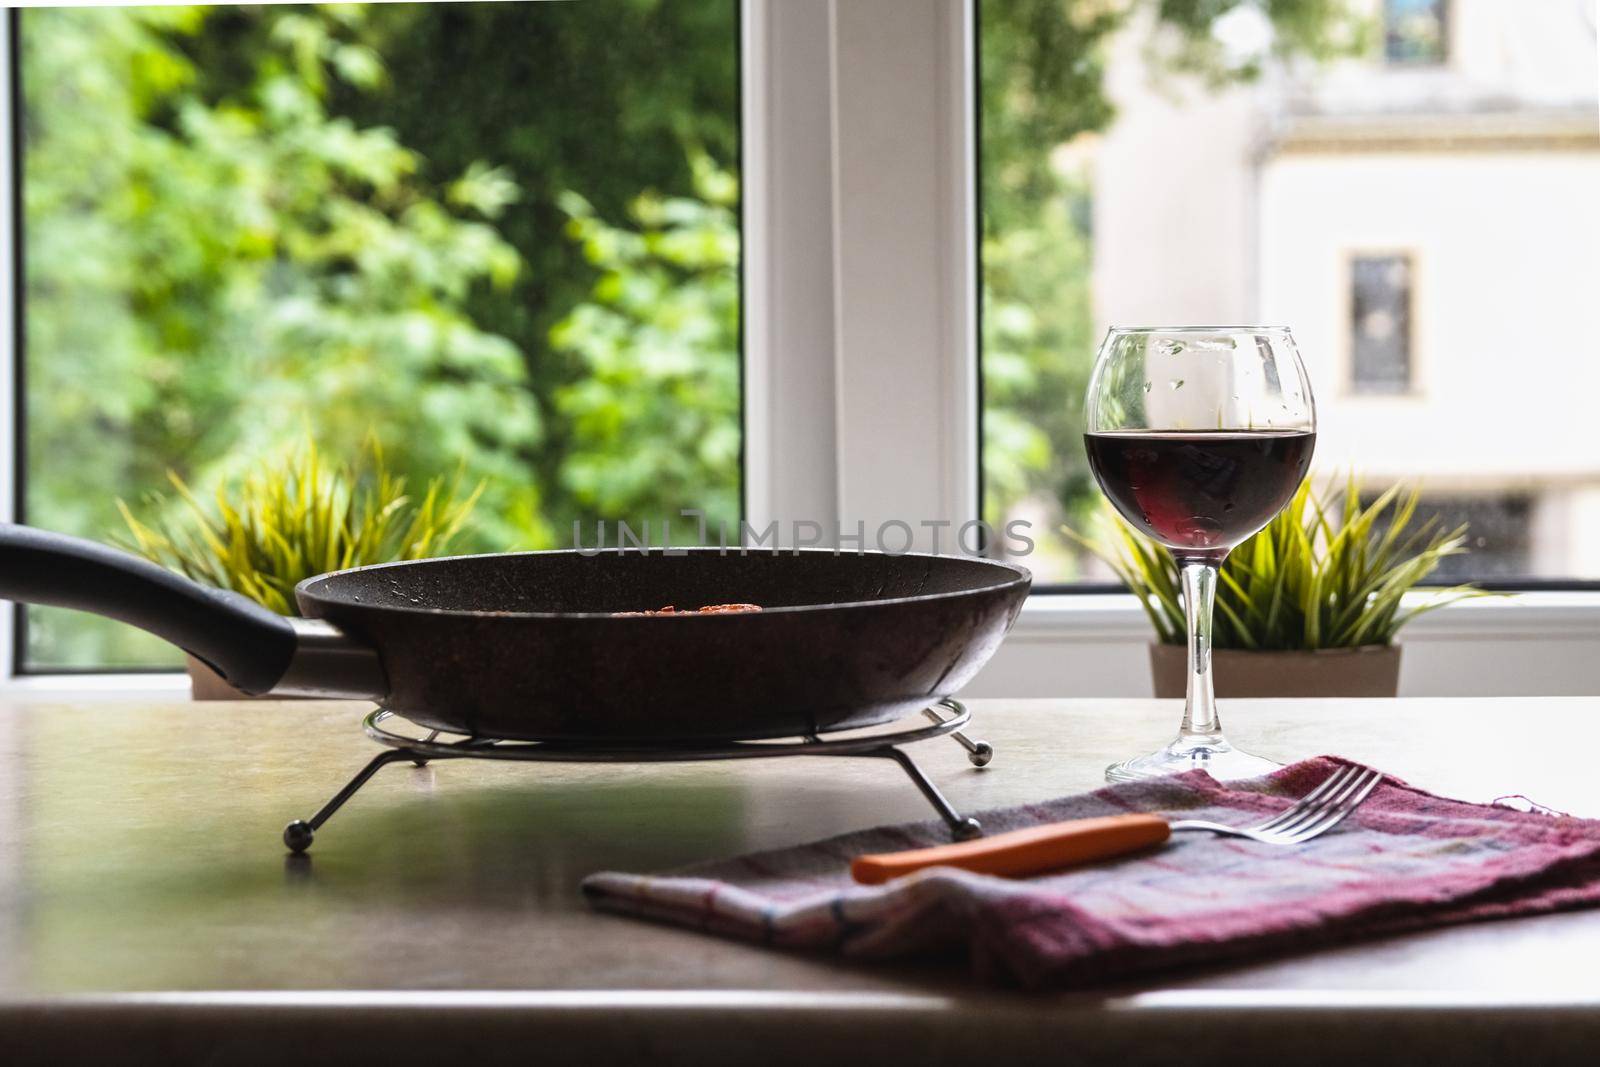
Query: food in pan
<point x="709" y="609"/>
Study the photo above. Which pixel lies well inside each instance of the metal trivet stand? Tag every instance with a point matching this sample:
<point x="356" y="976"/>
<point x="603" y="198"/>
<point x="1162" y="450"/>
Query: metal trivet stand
<point x="947" y="717"/>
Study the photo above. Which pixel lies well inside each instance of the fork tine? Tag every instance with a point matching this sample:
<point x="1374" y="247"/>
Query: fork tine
<point x="1310" y="800"/>
<point x="1341" y="812"/>
<point x="1290" y="830"/>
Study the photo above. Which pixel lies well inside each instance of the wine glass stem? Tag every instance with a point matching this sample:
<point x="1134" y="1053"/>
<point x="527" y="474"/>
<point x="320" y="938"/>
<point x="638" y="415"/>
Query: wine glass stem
<point x="1200" y="722"/>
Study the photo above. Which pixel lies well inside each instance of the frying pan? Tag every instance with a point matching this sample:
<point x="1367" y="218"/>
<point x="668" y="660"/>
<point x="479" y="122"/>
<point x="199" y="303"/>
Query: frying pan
<point x="524" y="645"/>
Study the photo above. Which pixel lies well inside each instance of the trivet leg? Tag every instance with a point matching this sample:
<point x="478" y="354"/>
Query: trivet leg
<point x="299" y="834"/>
<point x="962" y="827"/>
<point x="979" y="753"/>
<point x="422" y="761"/>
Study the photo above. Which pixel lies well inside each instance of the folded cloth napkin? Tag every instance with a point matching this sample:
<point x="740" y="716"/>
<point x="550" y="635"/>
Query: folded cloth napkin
<point x="1406" y="859"/>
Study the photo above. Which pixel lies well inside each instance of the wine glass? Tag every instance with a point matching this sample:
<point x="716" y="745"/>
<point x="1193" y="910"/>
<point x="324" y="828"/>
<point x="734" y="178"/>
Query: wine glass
<point x="1199" y="435"/>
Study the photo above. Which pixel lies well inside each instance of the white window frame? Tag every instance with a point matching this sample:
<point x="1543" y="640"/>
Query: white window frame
<point x="861" y="353"/>
<point x="860" y="268"/>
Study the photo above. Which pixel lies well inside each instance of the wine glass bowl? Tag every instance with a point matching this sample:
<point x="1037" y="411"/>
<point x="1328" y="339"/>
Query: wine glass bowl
<point x="1198" y="435"/>
<point x="1201" y="493"/>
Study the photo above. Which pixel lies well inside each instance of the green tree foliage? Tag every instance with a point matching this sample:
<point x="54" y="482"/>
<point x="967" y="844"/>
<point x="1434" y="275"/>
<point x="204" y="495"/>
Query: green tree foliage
<point x="212" y="267"/>
<point x="658" y="342"/>
<point x="354" y="216"/>
<point x="609" y="99"/>
<point x="248" y="219"/>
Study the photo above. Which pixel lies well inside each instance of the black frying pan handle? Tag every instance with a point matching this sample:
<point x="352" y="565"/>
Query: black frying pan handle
<point x="247" y="643"/>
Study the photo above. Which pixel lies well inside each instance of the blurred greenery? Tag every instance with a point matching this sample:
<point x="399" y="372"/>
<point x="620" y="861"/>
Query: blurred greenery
<point x="502" y="236"/>
<point x="668" y="293"/>
<point x="618" y="101"/>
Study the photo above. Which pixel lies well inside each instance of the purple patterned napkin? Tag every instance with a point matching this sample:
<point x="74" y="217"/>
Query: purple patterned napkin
<point x="1404" y="860"/>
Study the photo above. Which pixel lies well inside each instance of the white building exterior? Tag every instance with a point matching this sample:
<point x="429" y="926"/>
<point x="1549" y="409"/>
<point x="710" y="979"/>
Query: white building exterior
<point x="1429" y="227"/>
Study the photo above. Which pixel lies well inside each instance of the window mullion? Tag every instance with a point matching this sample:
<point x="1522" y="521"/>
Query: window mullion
<point x="860" y="272"/>
<point x="791" y="464"/>
<point x="905" y="282"/>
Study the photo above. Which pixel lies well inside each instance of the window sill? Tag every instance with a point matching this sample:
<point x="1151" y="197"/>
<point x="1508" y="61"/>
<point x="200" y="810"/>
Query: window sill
<point x="1525" y="644"/>
<point x="1118" y="617"/>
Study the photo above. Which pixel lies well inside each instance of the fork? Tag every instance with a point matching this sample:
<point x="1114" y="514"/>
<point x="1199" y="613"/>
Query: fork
<point x="1065" y="844"/>
<point x="1313" y="815"/>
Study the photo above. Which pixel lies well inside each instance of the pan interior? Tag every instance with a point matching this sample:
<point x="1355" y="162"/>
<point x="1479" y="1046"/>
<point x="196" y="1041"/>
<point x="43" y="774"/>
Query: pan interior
<point x="568" y="582"/>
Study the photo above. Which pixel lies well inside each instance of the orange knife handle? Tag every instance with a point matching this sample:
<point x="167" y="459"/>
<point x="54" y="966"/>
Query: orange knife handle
<point x="1023" y="852"/>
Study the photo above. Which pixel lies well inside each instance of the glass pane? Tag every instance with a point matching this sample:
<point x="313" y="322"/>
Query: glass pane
<point x="1380" y="324"/>
<point x="1414" y="31"/>
<point x="1500" y="528"/>
<point x="1431" y="235"/>
<point x="500" y="237"/>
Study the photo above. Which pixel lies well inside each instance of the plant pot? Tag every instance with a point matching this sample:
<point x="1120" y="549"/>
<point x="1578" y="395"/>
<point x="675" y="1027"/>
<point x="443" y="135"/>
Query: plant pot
<point x="1368" y="671"/>
<point x="207" y="684"/>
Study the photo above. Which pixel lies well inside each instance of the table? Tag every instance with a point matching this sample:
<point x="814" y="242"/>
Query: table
<point x="147" y="906"/>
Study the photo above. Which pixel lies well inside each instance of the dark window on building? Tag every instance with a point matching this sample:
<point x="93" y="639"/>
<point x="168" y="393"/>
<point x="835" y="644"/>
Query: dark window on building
<point x="1499" y="535"/>
<point x="1414" y="31"/>
<point x="1499" y="532"/>
<point x="1380" y="324"/>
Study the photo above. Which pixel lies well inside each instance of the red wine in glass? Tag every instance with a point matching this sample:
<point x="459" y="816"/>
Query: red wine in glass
<point x="1199" y="493"/>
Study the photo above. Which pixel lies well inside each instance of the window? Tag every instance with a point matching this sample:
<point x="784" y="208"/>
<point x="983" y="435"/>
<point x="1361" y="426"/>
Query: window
<point x="1172" y="165"/>
<point x="1380" y="324"/>
<point x="503" y="237"/>
<point x="1138" y="163"/>
<point x="1501" y="529"/>
<point x="1414" y="31"/>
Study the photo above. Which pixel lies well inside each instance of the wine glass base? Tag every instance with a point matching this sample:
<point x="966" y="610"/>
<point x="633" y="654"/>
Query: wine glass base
<point x="1218" y="759"/>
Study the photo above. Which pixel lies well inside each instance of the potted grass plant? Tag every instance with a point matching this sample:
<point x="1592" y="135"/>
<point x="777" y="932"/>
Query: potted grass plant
<point x="1310" y="606"/>
<point x="290" y="519"/>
